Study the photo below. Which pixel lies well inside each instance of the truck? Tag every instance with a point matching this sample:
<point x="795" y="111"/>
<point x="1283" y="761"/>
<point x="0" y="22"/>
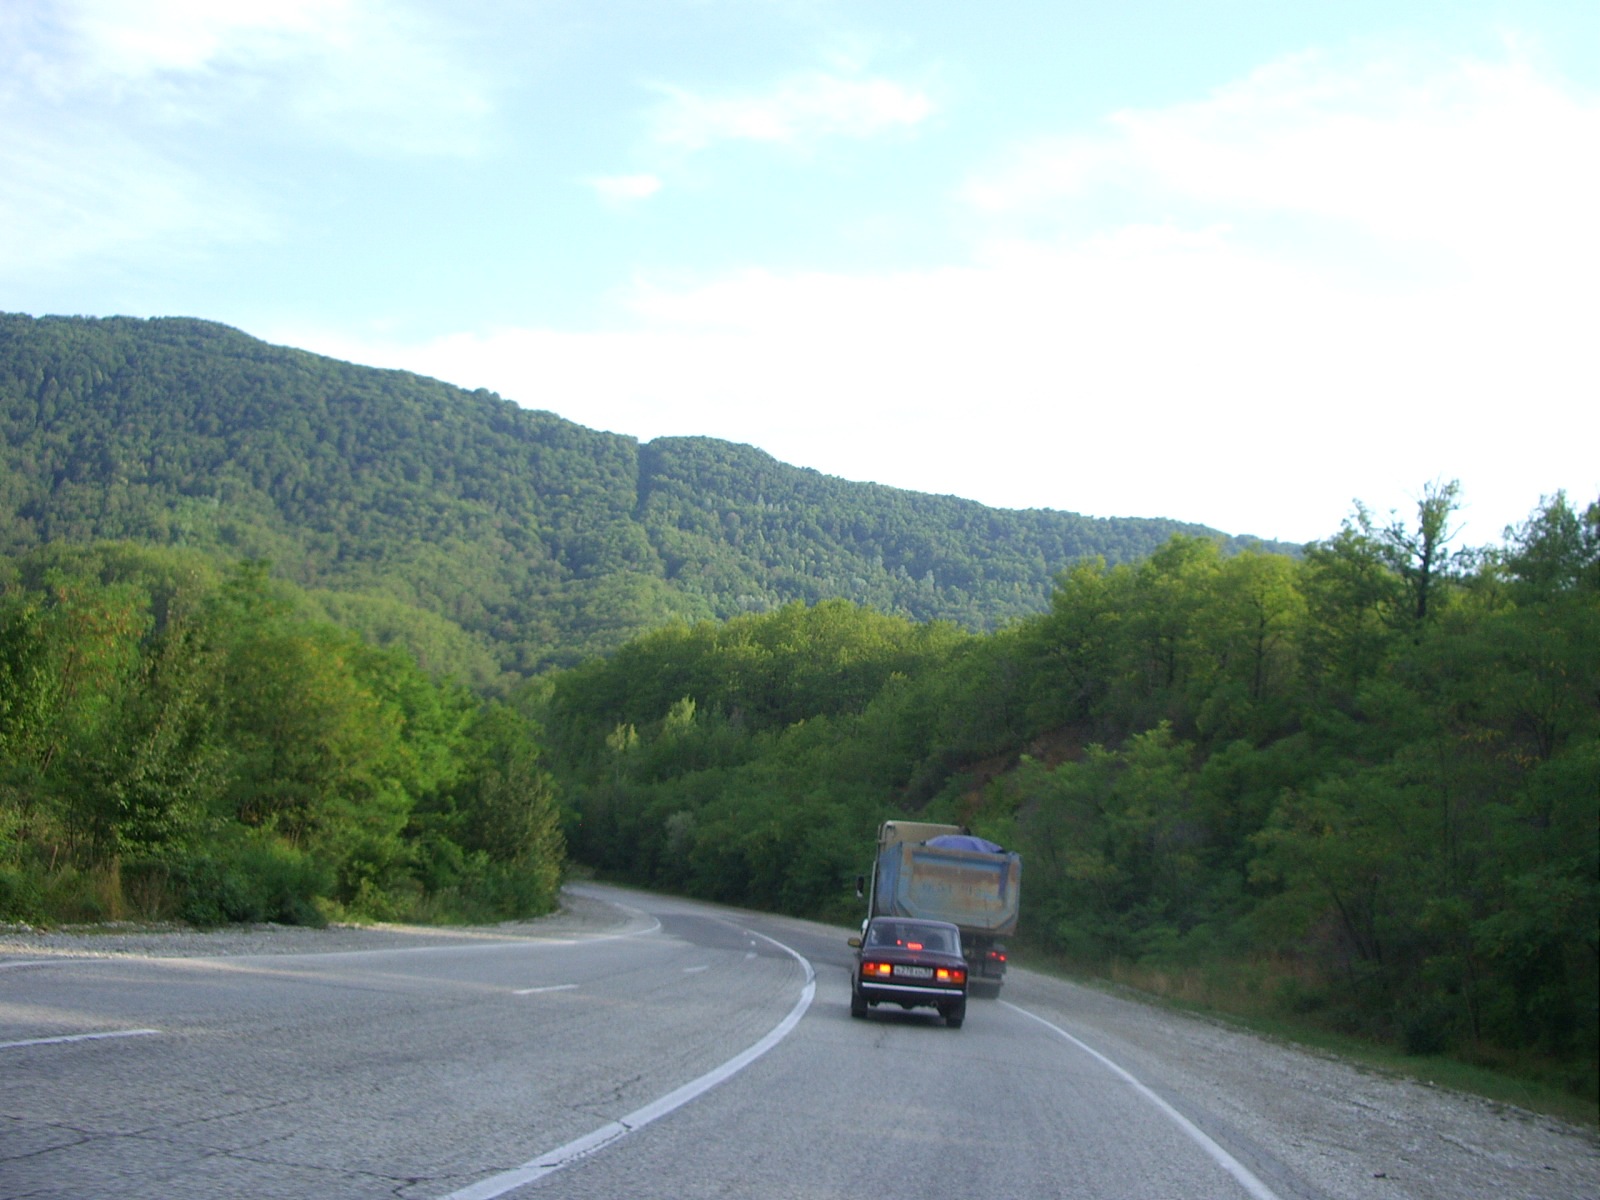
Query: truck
<point x="942" y="873"/>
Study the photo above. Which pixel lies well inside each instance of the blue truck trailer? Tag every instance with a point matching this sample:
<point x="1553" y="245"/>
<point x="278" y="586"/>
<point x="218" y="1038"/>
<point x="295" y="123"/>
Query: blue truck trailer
<point x="942" y="873"/>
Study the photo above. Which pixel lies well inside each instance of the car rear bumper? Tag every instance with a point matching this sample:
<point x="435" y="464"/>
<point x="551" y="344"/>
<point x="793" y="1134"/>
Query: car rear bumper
<point x="902" y="993"/>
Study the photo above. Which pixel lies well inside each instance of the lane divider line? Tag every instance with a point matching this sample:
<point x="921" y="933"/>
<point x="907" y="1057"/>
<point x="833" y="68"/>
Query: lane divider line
<point x="590" y="1143"/>
<point x="554" y="987"/>
<point x="80" y="1037"/>
<point x="1242" y="1174"/>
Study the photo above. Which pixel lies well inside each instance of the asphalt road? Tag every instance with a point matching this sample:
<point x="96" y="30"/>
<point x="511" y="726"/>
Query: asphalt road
<point x="643" y="1047"/>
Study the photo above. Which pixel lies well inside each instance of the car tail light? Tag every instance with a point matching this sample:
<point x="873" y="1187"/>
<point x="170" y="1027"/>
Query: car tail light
<point x="950" y="975"/>
<point x="997" y="956"/>
<point x="877" y="968"/>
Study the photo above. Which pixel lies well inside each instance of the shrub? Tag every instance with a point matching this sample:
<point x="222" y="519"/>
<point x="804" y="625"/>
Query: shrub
<point x="21" y="896"/>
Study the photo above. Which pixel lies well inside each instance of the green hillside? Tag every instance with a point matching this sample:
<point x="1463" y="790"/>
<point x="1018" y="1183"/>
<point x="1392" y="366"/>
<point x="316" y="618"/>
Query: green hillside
<point x="418" y="510"/>
<point x="1352" y="789"/>
<point x="1351" y="793"/>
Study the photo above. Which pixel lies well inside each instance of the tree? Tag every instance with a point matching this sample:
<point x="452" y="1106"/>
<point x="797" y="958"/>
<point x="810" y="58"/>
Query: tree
<point x="1243" y="673"/>
<point x="1353" y="599"/>
<point x="1556" y="550"/>
<point x="1417" y="554"/>
<point x="1077" y="645"/>
<point x="149" y="781"/>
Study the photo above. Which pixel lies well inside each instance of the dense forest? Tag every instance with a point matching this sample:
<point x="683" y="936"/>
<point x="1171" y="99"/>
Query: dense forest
<point x="1361" y="787"/>
<point x="286" y="639"/>
<point x="177" y="741"/>
<point x="489" y="538"/>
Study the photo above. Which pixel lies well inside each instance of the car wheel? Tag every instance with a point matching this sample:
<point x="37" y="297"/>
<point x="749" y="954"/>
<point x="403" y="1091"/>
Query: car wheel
<point x="858" y="1004"/>
<point x="955" y="1014"/>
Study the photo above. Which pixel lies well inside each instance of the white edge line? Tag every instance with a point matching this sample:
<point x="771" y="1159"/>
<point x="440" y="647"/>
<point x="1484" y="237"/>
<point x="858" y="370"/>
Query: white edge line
<point x="261" y="961"/>
<point x="554" y="987"/>
<point x="1221" y="1157"/>
<point x="589" y="1143"/>
<point x="509" y="943"/>
<point x="227" y="961"/>
<point x="80" y="1037"/>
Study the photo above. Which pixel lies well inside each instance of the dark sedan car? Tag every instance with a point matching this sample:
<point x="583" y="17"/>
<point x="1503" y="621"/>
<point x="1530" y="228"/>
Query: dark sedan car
<point x="912" y="964"/>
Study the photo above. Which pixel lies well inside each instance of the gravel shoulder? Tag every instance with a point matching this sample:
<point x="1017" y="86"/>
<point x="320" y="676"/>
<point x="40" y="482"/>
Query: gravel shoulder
<point x="579" y="914"/>
<point x="1351" y="1132"/>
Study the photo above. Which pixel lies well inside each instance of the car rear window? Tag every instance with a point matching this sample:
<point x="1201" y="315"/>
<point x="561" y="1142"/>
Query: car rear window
<point x="914" y="936"/>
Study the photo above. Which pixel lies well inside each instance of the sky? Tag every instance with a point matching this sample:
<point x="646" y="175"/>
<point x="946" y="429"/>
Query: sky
<point x="1240" y="262"/>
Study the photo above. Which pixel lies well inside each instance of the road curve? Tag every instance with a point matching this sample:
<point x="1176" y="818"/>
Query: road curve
<point x="639" y="1046"/>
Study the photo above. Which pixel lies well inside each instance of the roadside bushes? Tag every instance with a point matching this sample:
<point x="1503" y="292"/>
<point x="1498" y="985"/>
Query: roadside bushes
<point x="175" y="743"/>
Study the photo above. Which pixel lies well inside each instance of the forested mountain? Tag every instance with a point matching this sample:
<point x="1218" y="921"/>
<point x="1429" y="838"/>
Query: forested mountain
<point x="1354" y="786"/>
<point x="417" y="510"/>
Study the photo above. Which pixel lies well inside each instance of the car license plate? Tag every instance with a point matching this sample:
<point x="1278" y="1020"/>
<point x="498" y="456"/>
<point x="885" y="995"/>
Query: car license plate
<point x="914" y="972"/>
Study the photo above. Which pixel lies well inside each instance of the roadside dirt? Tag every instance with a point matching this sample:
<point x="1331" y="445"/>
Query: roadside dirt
<point x="578" y="914"/>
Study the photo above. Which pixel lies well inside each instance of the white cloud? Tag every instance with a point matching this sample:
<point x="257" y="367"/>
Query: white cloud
<point x="1478" y="158"/>
<point x="106" y="105"/>
<point x="60" y="206"/>
<point x="138" y="41"/>
<point x="372" y="75"/>
<point x="625" y="189"/>
<point x="800" y="109"/>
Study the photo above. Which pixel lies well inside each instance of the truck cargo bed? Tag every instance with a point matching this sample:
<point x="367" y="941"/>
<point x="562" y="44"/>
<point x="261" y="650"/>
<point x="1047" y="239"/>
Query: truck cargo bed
<point x="974" y="890"/>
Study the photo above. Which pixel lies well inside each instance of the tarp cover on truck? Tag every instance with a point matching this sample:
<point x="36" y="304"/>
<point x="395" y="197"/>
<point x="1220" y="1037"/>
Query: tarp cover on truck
<point x="966" y="841"/>
<point x="977" y="890"/>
